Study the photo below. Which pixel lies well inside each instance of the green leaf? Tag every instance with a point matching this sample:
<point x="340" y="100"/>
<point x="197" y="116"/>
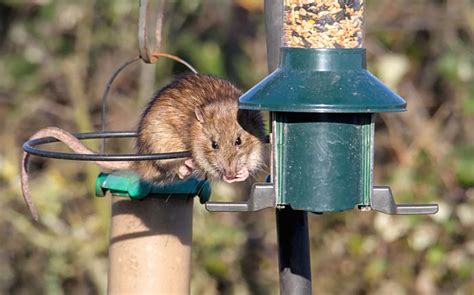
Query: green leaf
<point x="465" y="165"/>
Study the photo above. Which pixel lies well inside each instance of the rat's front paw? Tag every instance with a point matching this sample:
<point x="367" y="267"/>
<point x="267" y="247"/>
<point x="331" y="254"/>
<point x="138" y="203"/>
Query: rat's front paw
<point x="186" y="169"/>
<point x="242" y="175"/>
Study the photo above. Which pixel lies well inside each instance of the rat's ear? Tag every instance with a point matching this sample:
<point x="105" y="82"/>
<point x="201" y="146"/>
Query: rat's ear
<point x="246" y="117"/>
<point x="199" y="114"/>
<point x="251" y="121"/>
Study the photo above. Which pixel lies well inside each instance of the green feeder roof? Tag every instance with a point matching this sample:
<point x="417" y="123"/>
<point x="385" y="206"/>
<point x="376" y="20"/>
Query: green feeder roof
<point x="322" y="81"/>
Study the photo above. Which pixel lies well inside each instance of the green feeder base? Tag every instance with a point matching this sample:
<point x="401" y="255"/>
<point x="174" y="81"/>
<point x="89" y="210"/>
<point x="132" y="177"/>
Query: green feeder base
<point x="126" y="183"/>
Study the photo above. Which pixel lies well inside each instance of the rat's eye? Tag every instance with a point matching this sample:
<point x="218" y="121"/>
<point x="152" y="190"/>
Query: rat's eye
<point x="238" y="141"/>
<point x="215" y="145"/>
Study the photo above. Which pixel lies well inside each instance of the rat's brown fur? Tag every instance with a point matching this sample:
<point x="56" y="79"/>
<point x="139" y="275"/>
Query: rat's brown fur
<point x="170" y="123"/>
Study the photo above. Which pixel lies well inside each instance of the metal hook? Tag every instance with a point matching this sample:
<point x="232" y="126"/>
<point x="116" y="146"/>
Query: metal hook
<point x="149" y="42"/>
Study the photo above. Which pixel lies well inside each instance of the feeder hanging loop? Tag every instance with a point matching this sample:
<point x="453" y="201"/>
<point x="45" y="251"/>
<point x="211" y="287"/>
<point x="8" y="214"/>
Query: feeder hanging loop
<point x="149" y="44"/>
<point x="149" y="41"/>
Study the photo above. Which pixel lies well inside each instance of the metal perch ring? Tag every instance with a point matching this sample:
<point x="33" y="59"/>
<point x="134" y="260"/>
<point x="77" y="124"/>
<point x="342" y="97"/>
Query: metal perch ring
<point x="29" y="147"/>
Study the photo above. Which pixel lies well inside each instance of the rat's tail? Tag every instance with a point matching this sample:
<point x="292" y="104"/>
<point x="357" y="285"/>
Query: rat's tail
<point x="74" y="144"/>
<point x="25" y="188"/>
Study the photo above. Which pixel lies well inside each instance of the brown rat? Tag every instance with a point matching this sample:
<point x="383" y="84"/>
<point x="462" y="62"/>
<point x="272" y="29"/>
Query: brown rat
<point x="196" y="113"/>
<point x="200" y="113"/>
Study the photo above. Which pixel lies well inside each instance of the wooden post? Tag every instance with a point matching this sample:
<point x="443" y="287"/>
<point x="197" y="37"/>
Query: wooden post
<point x="150" y="246"/>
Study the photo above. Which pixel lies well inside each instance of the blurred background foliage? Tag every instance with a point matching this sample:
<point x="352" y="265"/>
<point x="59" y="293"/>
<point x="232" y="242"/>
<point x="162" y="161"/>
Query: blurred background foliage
<point x="55" y="57"/>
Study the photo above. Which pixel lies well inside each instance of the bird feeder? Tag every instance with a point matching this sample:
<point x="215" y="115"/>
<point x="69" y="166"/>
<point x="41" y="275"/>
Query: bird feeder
<point x="322" y="101"/>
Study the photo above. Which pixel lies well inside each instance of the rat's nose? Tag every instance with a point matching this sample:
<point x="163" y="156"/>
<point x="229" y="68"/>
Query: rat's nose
<point x="229" y="175"/>
<point x="230" y="170"/>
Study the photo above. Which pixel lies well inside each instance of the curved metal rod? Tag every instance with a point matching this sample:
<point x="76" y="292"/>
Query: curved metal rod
<point x="29" y="145"/>
<point x="106" y="94"/>
<point x="175" y="58"/>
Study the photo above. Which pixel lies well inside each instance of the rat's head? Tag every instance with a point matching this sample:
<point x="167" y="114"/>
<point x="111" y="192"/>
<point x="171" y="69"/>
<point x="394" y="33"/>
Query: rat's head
<point x="228" y="142"/>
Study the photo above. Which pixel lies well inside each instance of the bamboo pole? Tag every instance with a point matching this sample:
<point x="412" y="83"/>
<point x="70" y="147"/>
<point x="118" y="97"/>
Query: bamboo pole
<point x="150" y="246"/>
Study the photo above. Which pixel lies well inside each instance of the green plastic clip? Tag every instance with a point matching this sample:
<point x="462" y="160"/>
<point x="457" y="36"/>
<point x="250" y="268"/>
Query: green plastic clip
<point x="126" y="183"/>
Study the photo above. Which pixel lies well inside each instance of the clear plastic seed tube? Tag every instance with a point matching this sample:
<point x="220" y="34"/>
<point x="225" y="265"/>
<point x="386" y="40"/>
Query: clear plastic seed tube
<point x="323" y="23"/>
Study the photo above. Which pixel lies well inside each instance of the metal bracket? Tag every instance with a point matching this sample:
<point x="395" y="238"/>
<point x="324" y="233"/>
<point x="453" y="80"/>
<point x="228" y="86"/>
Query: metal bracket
<point x="262" y="196"/>
<point x="383" y="201"/>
